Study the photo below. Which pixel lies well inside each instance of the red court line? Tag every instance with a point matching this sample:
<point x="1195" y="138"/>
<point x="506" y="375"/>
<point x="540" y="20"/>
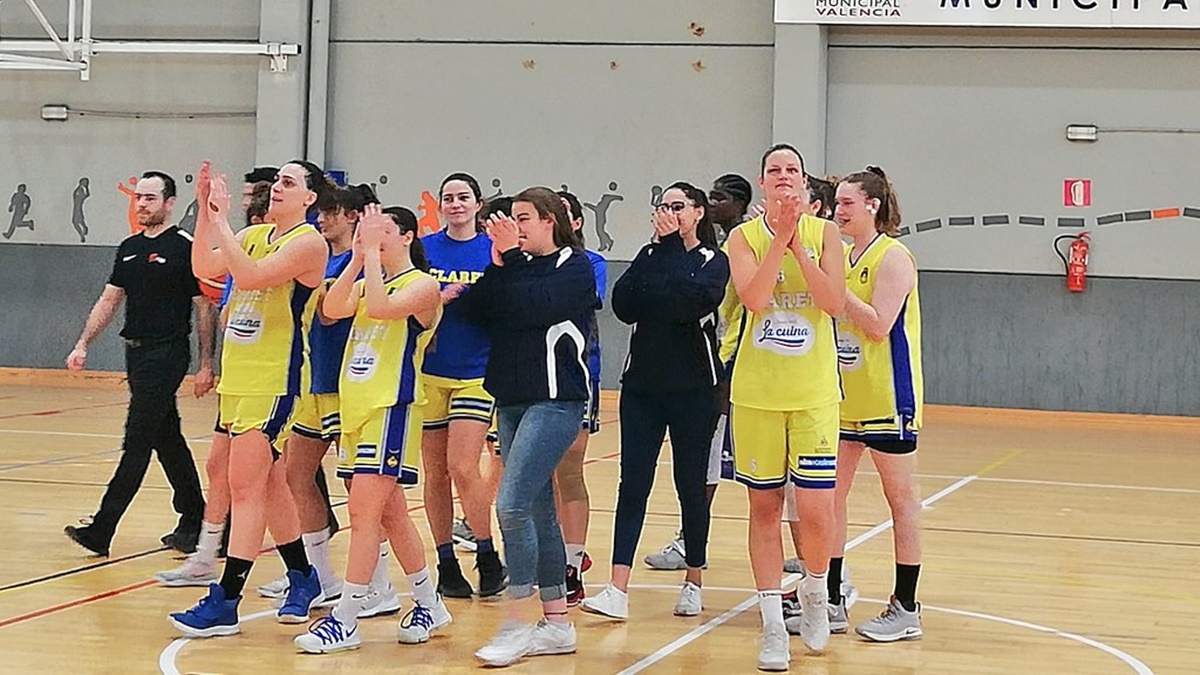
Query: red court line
<point x="151" y="582"/>
<point x="59" y="411"/>
<point x="1166" y="213"/>
<point x="76" y="603"/>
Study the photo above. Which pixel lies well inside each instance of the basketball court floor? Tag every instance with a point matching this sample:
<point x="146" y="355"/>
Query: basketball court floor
<point x="1054" y="543"/>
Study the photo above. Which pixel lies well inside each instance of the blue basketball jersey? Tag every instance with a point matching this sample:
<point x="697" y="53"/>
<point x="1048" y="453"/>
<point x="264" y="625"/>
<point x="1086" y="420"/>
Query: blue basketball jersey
<point x="459" y="349"/>
<point x="600" y="269"/>
<point x="327" y="344"/>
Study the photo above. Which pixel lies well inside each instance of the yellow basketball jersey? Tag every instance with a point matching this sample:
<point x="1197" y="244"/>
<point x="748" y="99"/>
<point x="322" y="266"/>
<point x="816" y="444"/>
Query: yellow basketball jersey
<point x="266" y="345"/>
<point x="787" y="356"/>
<point x="730" y="316"/>
<point x="882" y="380"/>
<point x="382" y="364"/>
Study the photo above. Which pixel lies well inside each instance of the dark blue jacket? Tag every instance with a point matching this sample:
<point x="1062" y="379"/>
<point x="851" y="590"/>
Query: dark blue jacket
<point x="671" y="295"/>
<point x="539" y="312"/>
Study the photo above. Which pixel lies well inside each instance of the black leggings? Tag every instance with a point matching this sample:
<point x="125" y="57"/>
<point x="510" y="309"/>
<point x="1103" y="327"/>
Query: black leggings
<point x="691" y="418"/>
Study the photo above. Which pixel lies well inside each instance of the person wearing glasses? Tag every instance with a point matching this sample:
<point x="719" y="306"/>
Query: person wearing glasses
<point x="670" y="294"/>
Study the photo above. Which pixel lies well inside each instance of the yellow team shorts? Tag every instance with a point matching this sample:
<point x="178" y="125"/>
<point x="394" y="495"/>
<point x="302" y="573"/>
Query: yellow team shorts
<point x="269" y="414"/>
<point x="388" y="443"/>
<point x="448" y="400"/>
<point x="317" y="416"/>
<point x="771" y="445"/>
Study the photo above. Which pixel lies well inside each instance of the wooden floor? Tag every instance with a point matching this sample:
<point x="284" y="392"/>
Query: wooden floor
<point x="1054" y="543"/>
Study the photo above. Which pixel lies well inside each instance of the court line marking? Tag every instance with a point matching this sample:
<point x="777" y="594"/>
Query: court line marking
<point x="97" y="453"/>
<point x="1031" y="481"/>
<point x="36" y="432"/>
<point x="708" y="626"/>
<point x="1130" y="660"/>
<point x="75" y="603"/>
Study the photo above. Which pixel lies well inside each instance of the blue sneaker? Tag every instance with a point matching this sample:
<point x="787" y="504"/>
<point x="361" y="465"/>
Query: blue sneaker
<point x="211" y="617"/>
<point x="304" y="593"/>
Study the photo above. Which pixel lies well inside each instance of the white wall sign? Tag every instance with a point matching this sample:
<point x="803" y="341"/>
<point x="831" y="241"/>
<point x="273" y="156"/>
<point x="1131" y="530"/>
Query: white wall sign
<point x="1046" y="13"/>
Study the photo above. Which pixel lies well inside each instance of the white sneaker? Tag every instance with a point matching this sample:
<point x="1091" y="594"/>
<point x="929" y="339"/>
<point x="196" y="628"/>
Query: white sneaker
<point x="276" y="590"/>
<point x="672" y="557"/>
<point x="774" y="656"/>
<point x="551" y="637"/>
<point x="611" y="602"/>
<point x="514" y="640"/>
<point x="421" y="621"/>
<point x="814" y="613"/>
<point x="380" y="602"/>
<point x="193" y="572"/>
<point x="690" y="600"/>
<point x="893" y="624"/>
<point x="326" y="635"/>
<point x="839" y="619"/>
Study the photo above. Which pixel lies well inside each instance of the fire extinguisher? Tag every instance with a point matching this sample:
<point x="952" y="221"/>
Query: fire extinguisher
<point x="1076" y="266"/>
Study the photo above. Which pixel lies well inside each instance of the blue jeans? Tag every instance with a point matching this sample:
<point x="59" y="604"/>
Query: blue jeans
<point x="533" y="438"/>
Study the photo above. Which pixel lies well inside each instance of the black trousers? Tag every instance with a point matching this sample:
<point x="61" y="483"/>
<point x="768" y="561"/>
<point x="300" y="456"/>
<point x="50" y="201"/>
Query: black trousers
<point x="690" y="417"/>
<point x="155" y="372"/>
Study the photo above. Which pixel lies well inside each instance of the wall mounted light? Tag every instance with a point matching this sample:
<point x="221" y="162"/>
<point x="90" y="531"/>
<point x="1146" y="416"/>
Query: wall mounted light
<point x="55" y="112"/>
<point x="1082" y="133"/>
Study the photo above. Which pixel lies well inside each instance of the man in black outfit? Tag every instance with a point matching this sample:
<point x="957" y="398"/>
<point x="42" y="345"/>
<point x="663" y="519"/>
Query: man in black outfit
<point x="153" y="271"/>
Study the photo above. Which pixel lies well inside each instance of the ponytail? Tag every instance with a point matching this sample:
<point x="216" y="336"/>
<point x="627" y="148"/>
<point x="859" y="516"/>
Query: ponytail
<point x="875" y="185"/>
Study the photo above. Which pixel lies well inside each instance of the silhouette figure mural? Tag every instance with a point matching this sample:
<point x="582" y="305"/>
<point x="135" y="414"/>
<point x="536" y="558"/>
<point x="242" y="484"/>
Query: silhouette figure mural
<point x="656" y="193"/>
<point x="78" y="219"/>
<point x="428" y="223"/>
<point x="130" y="192"/>
<point x="18" y="206"/>
<point x="188" y="222"/>
<point x="600" y="209"/>
<point x="496" y="184"/>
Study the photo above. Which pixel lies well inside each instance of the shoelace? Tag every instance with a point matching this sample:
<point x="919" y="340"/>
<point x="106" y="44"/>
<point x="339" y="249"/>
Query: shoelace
<point x="418" y="616"/>
<point x="328" y="629"/>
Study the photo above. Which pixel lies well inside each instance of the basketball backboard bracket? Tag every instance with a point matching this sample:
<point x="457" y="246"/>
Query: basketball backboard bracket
<point x="75" y="52"/>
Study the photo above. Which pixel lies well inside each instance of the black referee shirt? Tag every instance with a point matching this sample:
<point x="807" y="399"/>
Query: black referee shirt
<point x="156" y="275"/>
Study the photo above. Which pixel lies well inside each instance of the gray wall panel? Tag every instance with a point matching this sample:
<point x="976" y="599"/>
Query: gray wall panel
<point x="567" y="118"/>
<point x="51" y="157"/>
<point x="1021" y="341"/>
<point x="535" y="21"/>
<point x="1113" y="349"/>
<point x="158" y="19"/>
<point x="974" y="132"/>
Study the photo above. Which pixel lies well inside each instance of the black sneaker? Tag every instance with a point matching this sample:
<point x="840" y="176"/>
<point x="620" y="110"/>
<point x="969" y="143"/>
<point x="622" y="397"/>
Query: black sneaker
<point x="575" y="591"/>
<point x="184" y="542"/>
<point x="87" y="538"/>
<point x="492" y="579"/>
<point x="451" y="582"/>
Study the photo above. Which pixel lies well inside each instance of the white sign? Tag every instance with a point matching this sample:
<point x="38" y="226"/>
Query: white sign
<point x="1046" y="13"/>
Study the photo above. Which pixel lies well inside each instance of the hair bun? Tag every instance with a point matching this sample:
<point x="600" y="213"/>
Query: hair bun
<point x="877" y="171"/>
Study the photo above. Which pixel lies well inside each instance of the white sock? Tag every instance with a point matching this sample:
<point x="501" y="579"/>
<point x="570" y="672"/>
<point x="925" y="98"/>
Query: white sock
<point x="814" y="583"/>
<point x="422" y="587"/>
<point x="210" y="541"/>
<point x="575" y="556"/>
<point x="770" y="603"/>
<point x="316" y="547"/>
<point x="379" y="579"/>
<point x="354" y="597"/>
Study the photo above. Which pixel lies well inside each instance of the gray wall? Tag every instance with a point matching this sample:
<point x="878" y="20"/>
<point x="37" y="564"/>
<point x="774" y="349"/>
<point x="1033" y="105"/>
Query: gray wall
<point x="589" y="95"/>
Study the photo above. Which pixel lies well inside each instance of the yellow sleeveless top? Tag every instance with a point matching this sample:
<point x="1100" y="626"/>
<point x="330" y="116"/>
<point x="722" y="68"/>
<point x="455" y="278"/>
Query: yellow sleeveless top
<point x="882" y="380"/>
<point x="729" y="315"/>
<point x="266" y="345"/>
<point x="382" y="364"/>
<point x="787" y="356"/>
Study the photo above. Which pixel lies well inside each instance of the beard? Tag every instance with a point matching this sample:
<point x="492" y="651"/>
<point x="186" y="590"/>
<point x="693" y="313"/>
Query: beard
<point x="152" y="219"/>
